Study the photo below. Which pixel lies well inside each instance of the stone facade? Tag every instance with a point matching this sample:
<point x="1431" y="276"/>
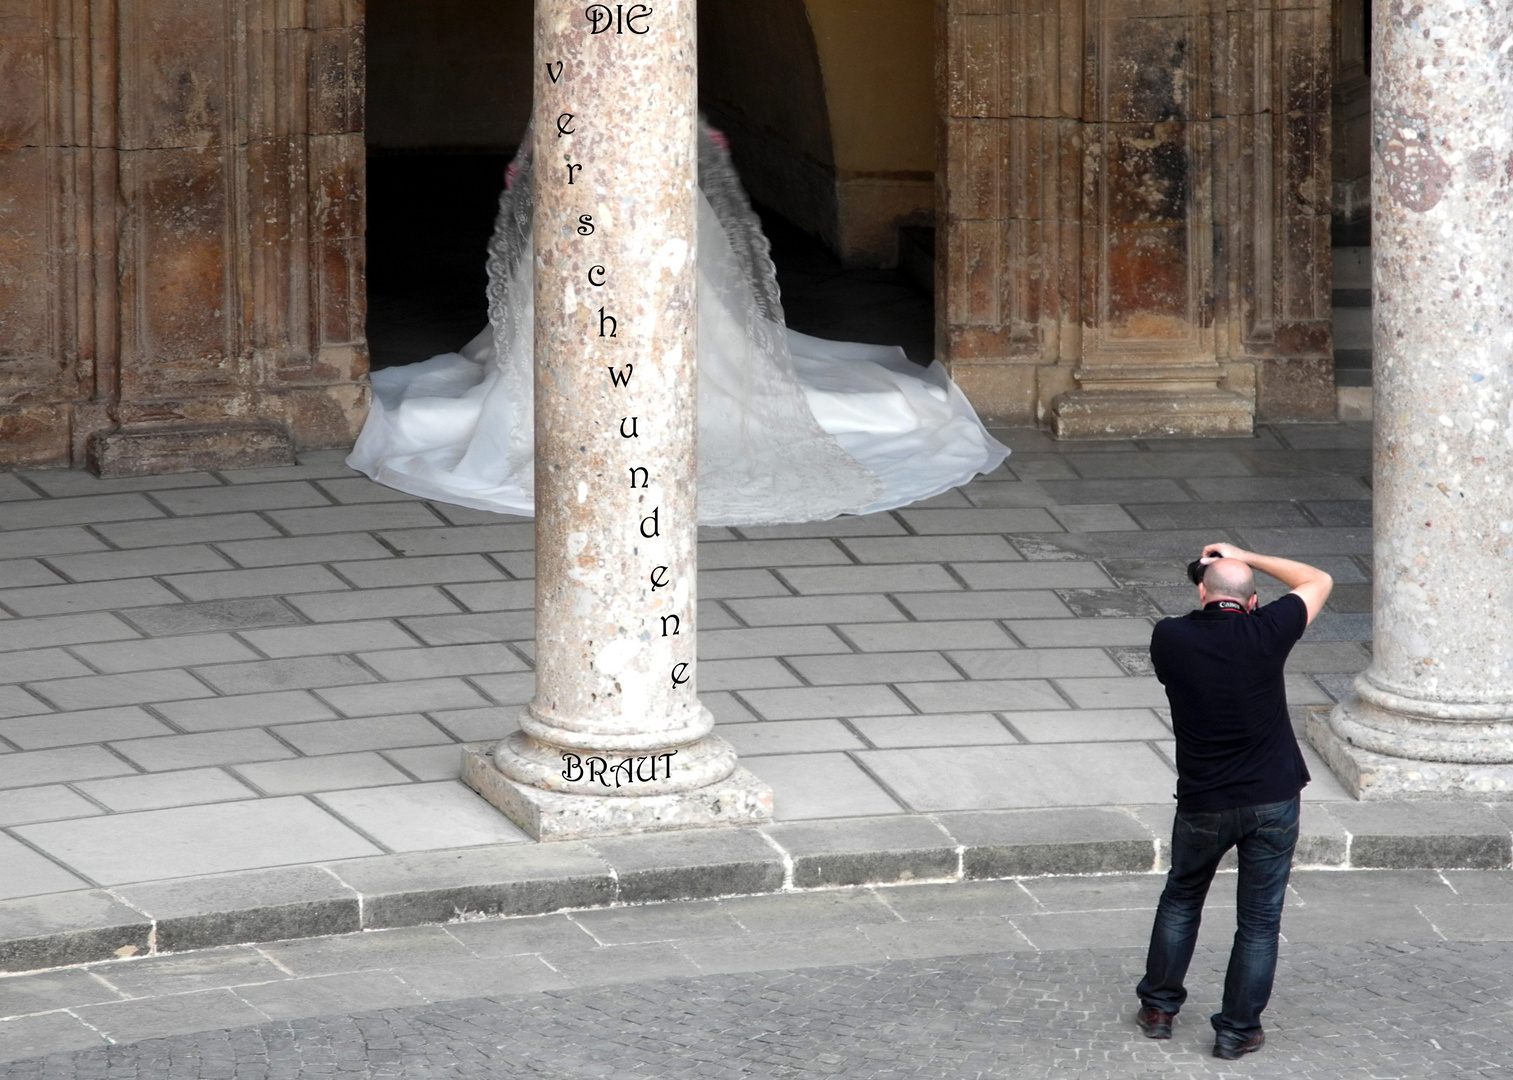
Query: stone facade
<point x="1134" y="212"/>
<point x="181" y="220"/>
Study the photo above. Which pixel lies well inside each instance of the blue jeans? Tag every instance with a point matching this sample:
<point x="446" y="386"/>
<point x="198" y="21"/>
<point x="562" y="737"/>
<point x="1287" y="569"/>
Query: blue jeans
<point x="1265" y="836"/>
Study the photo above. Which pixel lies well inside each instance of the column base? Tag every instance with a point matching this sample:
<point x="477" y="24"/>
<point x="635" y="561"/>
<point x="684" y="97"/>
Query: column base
<point x="1370" y="776"/>
<point x="1144" y="413"/>
<point x="739" y="799"/>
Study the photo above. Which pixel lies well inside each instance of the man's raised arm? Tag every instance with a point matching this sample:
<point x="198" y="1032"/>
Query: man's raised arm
<point x="1310" y="583"/>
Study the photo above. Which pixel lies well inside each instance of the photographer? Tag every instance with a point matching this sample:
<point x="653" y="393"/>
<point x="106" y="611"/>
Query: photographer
<point x="1239" y="772"/>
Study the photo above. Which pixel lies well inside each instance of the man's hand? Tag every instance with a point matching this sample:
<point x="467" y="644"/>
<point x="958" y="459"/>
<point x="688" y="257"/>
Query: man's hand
<point x="1311" y="584"/>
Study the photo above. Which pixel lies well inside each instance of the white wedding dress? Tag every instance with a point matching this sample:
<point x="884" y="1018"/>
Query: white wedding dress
<point x="791" y="428"/>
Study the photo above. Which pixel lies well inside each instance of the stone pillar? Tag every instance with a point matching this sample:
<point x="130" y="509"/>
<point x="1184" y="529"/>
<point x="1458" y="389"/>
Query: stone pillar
<point x="1433" y="714"/>
<point x="181" y="221"/>
<point x="1134" y="212"/>
<point x="615" y="739"/>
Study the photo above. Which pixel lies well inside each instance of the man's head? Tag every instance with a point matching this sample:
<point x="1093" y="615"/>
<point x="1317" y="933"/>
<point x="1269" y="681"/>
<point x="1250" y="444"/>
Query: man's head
<point x="1228" y="579"/>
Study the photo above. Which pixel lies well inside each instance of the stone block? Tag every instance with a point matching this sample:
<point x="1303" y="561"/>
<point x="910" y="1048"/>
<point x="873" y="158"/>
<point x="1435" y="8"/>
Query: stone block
<point x="69" y="928"/>
<point x="1419" y="833"/>
<point x="252" y="906"/>
<point x="865" y="851"/>
<point x="422" y="817"/>
<point x="509" y="879"/>
<point x="1024" y="843"/>
<point x="213" y="615"/>
<point x="147" y="451"/>
<point x="691" y="864"/>
<point x="1322" y="840"/>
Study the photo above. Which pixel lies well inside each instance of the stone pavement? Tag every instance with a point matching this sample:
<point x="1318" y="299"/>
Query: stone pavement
<point x="219" y="673"/>
<point x="1383" y="974"/>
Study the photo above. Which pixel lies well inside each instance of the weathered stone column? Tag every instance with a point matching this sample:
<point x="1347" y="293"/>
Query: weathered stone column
<point x="615" y="739"/>
<point x="1433" y="715"/>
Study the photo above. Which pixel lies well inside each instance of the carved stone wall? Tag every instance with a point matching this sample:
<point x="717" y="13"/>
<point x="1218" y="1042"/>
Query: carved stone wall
<point x="181" y="222"/>
<point x="1135" y="197"/>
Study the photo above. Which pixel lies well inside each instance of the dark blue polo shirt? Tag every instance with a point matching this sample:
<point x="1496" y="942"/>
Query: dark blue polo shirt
<point x="1222" y="670"/>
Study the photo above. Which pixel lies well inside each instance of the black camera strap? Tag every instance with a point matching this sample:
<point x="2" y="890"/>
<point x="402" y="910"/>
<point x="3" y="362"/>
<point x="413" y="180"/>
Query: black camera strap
<point x="1225" y="605"/>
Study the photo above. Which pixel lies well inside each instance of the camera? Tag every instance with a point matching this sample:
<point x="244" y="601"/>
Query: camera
<point x="1195" y="571"/>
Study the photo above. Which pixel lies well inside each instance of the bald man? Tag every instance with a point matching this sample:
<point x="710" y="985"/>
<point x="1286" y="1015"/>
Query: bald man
<point x="1239" y="774"/>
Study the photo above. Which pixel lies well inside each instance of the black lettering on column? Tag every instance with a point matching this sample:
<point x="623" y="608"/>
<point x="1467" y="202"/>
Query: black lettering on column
<point x="621" y="377"/>
<point x="659" y="578"/>
<point x="676" y="623"/>
<point x="574" y="770"/>
<point x="615" y="769"/>
<point x="585" y="224"/>
<point x="570" y="175"/>
<point x="679" y="677"/>
<point x="653" y="762"/>
<point x="565" y="125"/>
<point x="597" y="773"/>
<point x="635" y="12"/>
<point x="592" y="270"/>
<point x="632" y="434"/>
<point x="614" y="324"/>
<point x="656" y="527"/>
<point x="599" y="17"/>
<point x="558" y="75"/>
<point x="645" y="476"/>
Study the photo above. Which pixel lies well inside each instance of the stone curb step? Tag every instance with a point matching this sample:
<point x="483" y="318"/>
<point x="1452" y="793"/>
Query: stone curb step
<point x="531" y="879"/>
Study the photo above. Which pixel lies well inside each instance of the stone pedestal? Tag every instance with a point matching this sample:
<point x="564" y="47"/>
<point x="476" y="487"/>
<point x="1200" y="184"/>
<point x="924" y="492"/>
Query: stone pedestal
<point x="1433" y="714"/>
<point x="615" y="739"/>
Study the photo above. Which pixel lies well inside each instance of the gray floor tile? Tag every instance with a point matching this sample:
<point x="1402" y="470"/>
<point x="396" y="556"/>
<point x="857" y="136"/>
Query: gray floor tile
<point x="874" y="668"/>
<point x="206" y="969"/>
<point x="359" y="489"/>
<point x="1049" y="633"/>
<point x="494" y="938"/>
<point x="992" y="777"/>
<point x="740" y="583"/>
<point x="197" y="530"/>
<point x="419" y="570"/>
<point x="411" y="663"/>
<point x="764" y="553"/>
<point x="899" y="637"/>
<point x="832" y="909"/>
<point x="372" y="950"/>
<point x="424" y="817"/>
<point x="15" y="701"/>
<point x="763" y="952"/>
<point x="222" y="500"/>
<point x="894" y="578"/>
<point x="483" y="978"/>
<point x="50" y="1033"/>
<point x="161" y="790"/>
<point x="1133" y="490"/>
<point x="213" y="615"/>
<point x="184" y="651"/>
<point x="59" y="766"/>
<point x="1087" y="929"/>
<point x="50" y="802"/>
<point x="478" y="725"/>
<point x="86" y="510"/>
<point x="805" y="702"/>
<point x="965" y="729"/>
<point x="988" y="604"/>
<point x="363" y="518"/>
<point x="744" y="674"/>
<point x="982" y="695"/>
<point x="1131" y="691"/>
<point x="168" y="752"/>
<point x="920" y="940"/>
<point x="76" y="728"/>
<point x="471" y="628"/>
<point x="820" y="786"/>
<point x="509" y="689"/>
<point x="1175" y="465"/>
<point x="40" y="633"/>
<point x="1034" y="663"/>
<point x="248" y="710"/>
<point x="1017" y="494"/>
<point x="979" y="520"/>
<point x="154" y="845"/>
<point x="25" y="873"/>
<point x="764" y="641"/>
<point x="365" y="733"/>
<point x="811" y="610"/>
<point x="958" y="901"/>
<point x="292" y="551"/>
<point x="333" y="772"/>
<point x="1089" y="725"/>
<point x="1094" y="518"/>
<point x="789" y="737"/>
<point x="622" y="964"/>
<point x="491" y="596"/>
<point x="25" y="543"/>
<point x="658" y="922"/>
<point x="362" y="991"/>
<point x="16" y="573"/>
<point x="22" y="994"/>
<point x="92" y="596"/>
<point x="351" y="637"/>
<point x="1215" y="515"/>
<point x="291" y="673"/>
<point x="463" y="539"/>
<point x="727" y="708"/>
<point x="267" y="581"/>
<point x="415" y="695"/>
<point x="315" y="468"/>
<point x="1279" y="488"/>
<point x="867" y="525"/>
<point x="142" y="562"/>
<point x="442" y="762"/>
<point x="1034" y="575"/>
<point x="939" y="548"/>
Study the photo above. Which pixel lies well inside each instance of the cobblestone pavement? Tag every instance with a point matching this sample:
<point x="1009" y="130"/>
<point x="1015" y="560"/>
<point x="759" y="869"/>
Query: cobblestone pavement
<point x="1384" y="974"/>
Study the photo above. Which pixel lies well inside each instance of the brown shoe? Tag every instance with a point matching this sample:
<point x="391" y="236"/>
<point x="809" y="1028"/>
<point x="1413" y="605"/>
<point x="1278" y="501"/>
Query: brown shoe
<point x="1155" y="1023"/>
<point x="1229" y="1051"/>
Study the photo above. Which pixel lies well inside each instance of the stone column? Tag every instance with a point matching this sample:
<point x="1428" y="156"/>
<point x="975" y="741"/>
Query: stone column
<point x="1433" y="714"/>
<point x="615" y="739"/>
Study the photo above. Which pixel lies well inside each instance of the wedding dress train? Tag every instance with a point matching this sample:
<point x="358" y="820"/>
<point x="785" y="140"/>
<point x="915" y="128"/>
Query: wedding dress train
<point x="791" y="427"/>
